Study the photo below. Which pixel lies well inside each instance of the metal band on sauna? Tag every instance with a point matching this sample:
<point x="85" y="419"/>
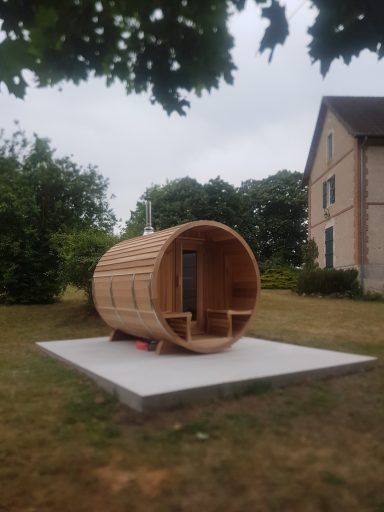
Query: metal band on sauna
<point x="115" y="310"/>
<point x="133" y="292"/>
<point x="150" y="291"/>
<point x="93" y="292"/>
<point x="136" y="306"/>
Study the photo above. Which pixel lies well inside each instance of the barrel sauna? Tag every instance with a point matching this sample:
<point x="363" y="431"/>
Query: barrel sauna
<point x="195" y="285"/>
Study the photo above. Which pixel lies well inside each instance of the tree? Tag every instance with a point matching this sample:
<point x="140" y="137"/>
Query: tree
<point x="344" y="28"/>
<point x="40" y="196"/>
<point x="271" y="214"/>
<point x="176" y="202"/>
<point x="274" y="217"/>
<point x="167" y="48"/>
<point x="222" y="202"/>
<point x="80" y="252"/>
<point x="185" y="200"/>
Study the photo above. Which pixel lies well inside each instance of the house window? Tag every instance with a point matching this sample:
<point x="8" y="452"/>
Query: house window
<point x="329" y="247"/>
<point x="325" y="200"/>
<point x="329" y="146"/>
<point x="329" y="192"/>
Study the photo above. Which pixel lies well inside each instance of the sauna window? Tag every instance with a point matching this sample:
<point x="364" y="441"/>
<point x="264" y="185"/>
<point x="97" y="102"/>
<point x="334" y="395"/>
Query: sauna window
<point x="190" y="282"/>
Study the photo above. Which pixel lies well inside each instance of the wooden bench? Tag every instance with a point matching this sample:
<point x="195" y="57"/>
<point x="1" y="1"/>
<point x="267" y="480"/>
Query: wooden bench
<point x="180" y="323"/>
<point x="220" y="321"/>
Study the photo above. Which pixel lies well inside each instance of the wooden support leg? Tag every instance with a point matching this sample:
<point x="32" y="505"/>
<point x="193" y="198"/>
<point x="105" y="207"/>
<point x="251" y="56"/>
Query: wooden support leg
<point x="167" y="347"/>
<point x="117" y="335"/>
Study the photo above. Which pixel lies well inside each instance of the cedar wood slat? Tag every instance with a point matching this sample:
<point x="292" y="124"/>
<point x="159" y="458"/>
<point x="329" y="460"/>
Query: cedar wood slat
<point x="149" y="262"/>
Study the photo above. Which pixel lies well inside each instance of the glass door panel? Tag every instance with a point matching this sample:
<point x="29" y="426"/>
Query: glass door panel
<point x="189" y="273"/>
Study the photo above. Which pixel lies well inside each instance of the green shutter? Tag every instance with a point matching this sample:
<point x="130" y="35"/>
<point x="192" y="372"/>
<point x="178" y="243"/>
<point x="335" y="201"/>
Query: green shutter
<point x="332" y="189"/>
<point x="329" y="247"/>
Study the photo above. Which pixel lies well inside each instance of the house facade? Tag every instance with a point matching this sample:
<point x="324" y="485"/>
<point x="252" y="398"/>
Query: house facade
<point x="345" y="178"/>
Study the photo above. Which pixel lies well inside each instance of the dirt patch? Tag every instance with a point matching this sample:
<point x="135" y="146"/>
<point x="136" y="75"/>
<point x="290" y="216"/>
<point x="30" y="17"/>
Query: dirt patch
<point x="149" y="480"/>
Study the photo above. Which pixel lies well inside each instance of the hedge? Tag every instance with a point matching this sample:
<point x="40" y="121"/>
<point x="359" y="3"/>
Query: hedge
<point x="328" y="282"/>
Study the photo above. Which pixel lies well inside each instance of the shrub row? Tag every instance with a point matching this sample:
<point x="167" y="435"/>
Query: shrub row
<point x="343" y="283"/>
<point x="279" y="278"/>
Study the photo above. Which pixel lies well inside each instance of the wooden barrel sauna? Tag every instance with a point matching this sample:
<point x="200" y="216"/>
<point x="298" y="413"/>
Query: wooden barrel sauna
<point x="195" y="285"/>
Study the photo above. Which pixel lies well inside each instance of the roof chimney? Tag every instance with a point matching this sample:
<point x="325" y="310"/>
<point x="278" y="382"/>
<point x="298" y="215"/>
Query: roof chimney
<point x="148" y="230"/>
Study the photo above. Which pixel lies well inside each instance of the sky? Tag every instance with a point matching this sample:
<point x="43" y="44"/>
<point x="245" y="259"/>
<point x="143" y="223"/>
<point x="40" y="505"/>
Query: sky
<point x="250" y="130"/>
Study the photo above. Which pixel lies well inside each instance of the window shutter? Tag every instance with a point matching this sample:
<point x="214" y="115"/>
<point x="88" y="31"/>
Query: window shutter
<point x="332" y="189"/>
<point x="329" y="247"/>
<point x="324" y="194"/>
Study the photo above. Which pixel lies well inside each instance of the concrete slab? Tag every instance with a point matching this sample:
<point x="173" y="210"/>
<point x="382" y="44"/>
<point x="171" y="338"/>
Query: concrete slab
<point x="145" y="380"/>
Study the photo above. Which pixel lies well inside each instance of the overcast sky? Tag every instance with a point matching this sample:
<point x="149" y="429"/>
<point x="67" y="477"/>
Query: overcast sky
<point x="261" y="124"/>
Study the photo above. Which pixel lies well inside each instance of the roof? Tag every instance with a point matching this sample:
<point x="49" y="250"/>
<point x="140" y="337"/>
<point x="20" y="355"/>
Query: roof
<point x="361" y="116"/>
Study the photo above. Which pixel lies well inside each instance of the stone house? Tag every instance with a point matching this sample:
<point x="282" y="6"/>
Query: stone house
<point x="345" y="177"/>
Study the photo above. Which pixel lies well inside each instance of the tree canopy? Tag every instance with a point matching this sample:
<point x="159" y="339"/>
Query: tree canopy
<point x="40" y="196"/>
<point x="271" y="214"/>
<point x="167" y="48"/>
<point x="184" y="200"/>
<point x="274" y="218"/>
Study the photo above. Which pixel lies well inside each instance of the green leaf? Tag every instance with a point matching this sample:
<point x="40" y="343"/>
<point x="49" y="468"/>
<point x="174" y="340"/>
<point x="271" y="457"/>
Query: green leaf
<point x="277" y="31"/>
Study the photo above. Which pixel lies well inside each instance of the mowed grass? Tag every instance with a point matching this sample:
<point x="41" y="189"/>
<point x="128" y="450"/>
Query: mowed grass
<point x="336" y="324"/>
<point x="67" y="446"/>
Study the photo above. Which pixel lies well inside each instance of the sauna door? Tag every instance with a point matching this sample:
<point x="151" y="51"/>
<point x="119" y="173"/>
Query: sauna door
<point x="189" y="274"/>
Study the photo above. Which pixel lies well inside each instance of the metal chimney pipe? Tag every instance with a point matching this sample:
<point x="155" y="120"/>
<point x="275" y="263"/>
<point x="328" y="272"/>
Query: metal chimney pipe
<point x="148" y="230"/>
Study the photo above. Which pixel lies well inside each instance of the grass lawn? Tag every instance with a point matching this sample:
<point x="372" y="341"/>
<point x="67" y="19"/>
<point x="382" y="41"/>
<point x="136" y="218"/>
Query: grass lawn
<point x="67" y="446"/>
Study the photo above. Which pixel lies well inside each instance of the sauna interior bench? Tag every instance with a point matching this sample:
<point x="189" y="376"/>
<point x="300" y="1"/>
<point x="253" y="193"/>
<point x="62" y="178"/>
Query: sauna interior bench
<point x="180" y="322"/>
<point x="223" y="319"/>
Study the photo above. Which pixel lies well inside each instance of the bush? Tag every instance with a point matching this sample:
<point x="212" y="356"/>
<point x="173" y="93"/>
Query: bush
<point x="310" y="255"/>
<point x="343" y="283"/>
<point x="80" y="253"/>
<point x="40" y="196"/>
<point x="279" y="278"/>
